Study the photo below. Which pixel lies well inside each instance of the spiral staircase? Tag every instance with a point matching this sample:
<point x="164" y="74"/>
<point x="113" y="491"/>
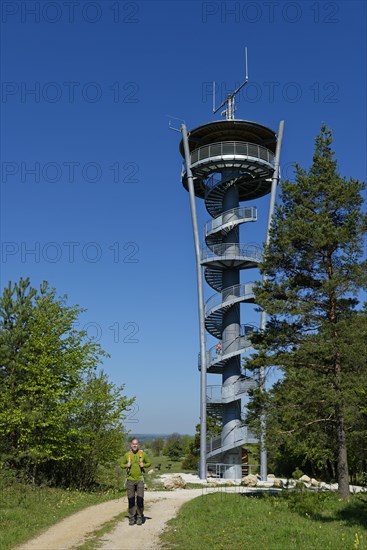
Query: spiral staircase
<point x="232" y="162"/>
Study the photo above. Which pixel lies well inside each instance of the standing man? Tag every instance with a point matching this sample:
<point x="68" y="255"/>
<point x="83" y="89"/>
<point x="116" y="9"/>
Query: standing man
<point x="135" y="461"/>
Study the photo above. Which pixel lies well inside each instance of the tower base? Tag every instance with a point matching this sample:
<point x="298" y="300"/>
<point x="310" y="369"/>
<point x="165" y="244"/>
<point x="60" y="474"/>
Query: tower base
<point x="233" y="461"/>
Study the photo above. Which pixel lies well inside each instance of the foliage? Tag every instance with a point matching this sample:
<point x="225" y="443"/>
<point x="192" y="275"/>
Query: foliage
<point x="192" y="457"/>
<point x="157" y="445"/>
<point x="60" y="420"/>
<point x="314" y="273"/>
<point x="192" y="454"/>
<point x="213" y="426"/>
<point x="176" y="446"/>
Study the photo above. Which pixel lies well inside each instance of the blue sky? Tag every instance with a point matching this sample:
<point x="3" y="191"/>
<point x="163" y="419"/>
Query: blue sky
<point x="91" y="172"/>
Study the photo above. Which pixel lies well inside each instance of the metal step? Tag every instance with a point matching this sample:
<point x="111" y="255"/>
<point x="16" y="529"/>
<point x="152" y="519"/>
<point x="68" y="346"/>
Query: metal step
<point x="217" y="305"/>
<point x="214" y="278"/>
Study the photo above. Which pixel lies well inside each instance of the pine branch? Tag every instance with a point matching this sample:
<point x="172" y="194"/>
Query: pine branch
<point x="307" y="424"/>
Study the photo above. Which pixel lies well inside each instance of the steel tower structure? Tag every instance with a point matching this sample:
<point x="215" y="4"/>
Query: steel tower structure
<point x="228" y="163"/>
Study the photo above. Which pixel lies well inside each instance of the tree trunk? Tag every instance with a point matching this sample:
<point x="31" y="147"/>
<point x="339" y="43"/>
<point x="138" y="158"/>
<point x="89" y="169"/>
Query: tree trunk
<point x="342" y="462"/>
<point x="341" y="443"/>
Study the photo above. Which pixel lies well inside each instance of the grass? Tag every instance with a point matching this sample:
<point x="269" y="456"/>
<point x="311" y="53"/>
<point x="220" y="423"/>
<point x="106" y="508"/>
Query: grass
<point x="25" y="511"/>
<point x="294" y="520"/>
<point x="164" y="461"/>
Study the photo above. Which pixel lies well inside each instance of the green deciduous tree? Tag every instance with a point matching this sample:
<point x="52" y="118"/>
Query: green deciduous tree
<point x="313" y="274"/>
<point x="157" y="445"/>
<point x="173" y="447"/>
<point x="192" y="452"/>
<point x="192" y="456"/>
<point x="54" y="407"/>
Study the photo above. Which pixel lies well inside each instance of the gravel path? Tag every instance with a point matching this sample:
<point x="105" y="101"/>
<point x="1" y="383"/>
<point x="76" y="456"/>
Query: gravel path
<point x="74" y="530"/>
<point x="161" y="506"/>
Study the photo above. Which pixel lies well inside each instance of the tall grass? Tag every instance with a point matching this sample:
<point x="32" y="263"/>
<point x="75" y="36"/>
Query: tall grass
<point x="302" y="521"/>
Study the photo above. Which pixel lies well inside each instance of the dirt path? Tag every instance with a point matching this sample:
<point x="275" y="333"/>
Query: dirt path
<point x="161" y="506"/>
<point x="73" y="531"/>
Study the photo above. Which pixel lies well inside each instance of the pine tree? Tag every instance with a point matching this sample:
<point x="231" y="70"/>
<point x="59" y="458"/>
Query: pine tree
<point x="300" y="413"/>
<point x="313" y="274"/>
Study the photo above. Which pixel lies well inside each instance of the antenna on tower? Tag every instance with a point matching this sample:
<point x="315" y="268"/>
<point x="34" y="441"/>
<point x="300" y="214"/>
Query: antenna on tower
<point x="171" y="124"/>
<point x="230" y="109"/>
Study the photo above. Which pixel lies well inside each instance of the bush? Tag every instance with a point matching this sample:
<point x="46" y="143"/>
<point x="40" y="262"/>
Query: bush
<point x="191" y="462"/>
<point x="297" y="474"/>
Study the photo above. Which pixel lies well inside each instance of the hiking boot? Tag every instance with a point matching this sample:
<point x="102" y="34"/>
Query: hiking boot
<point x="131" y="521"/>
<point x="139" y="520"/>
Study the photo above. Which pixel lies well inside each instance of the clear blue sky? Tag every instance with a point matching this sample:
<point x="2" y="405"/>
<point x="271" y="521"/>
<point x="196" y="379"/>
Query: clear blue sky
<point x="104" y="208"/>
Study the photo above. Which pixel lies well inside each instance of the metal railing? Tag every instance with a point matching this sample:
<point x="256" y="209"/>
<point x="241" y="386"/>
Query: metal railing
<point x="228" y="294"/>
<point x="214" y="354"/>
<point x="242" y="385"/>
<point x="212" y="181"/>
<point x="217" y="393"/>
<point x="214" y="393"/>
<point x="232" y="148"/>
<point x="241" y="433"/>
<point x="218" y="469"/>
<point x="248" y="213"/>
<point x="229" y="250"/>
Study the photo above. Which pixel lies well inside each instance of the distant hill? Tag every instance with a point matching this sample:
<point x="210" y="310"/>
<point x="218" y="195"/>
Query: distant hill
<point x="143" y="438"/>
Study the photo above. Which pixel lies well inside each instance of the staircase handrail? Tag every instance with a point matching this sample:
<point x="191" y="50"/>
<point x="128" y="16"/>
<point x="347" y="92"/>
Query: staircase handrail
<point x="253" y="251"/>
<point x="241" y="433"/>
<point x="242" y="212"/>
<point x="215" y="392"/>
<point x="235" y="291"/>
<point x="242" y="341"/>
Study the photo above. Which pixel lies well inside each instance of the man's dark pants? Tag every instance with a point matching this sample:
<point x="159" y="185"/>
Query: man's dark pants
<point x="132" y="488"/>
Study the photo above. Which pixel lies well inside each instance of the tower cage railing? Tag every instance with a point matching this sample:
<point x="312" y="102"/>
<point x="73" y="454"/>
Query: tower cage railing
<point x="232" y="148"/>
<point x="228" y="294"/>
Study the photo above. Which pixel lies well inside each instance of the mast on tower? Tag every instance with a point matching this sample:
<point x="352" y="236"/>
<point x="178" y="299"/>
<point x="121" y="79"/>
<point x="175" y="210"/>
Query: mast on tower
<point x="230" y="100"/>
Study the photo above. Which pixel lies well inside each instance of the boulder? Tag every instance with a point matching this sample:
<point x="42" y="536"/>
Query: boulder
<point x="271" y="476"/>
<point x="175" y="482"/>
<point x="229" y="481"/>
<point x="278" y="483"/>
<point x="314" y="482"/>
<point x="305" y="479"/>
<point x="249" y="481"/>
<point x="213" y="484"/>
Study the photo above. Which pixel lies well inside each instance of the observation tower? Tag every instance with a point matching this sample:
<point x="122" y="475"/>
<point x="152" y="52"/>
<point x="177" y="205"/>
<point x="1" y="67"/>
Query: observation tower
<point x="231" y="164"/>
